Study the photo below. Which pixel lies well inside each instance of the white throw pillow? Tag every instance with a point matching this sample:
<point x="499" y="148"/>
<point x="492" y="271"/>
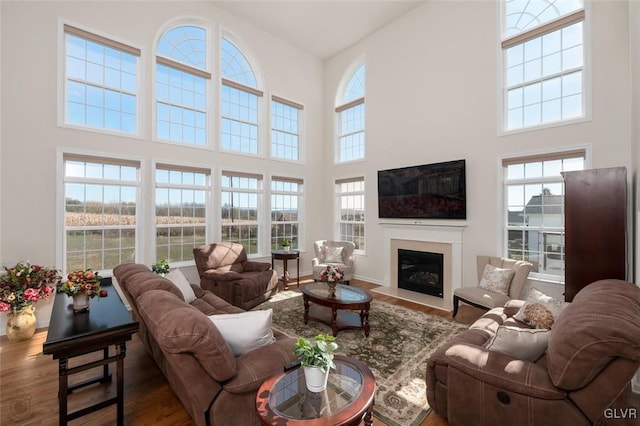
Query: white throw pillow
<point x="497" y="280"/>
<point x="333" y="255"/>
<point x="522" y="343"/>
<point x="179" y="280"/>
<point x="540" y="310"/>
<point x="245" y="331"/>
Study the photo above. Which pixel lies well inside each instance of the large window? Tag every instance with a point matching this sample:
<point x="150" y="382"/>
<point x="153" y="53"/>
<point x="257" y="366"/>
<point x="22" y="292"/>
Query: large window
<point x="350" y="194"/>
<point x="240" y="209"/>
<point x="181" y="85"/>
<point x="181" y="216"/>
<point x="100" y="212"/>
<point x="101" y="83"/>
<point x="350" y="112"/>
<point x="543" y="55"/>
<point x="534" y="210"/>
<point x="285" y="129"/>
<point x="240" y="97"/>
<point x="286" y="199"/>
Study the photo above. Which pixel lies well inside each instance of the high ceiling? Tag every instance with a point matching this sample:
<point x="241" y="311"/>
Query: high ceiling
<point x="322" y="28"/>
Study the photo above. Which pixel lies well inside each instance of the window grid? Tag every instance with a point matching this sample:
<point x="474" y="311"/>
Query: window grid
<point x="543" y="74"/>
<point x="534" y="207"/>
<point x="181" y="218"/>
<point x="352" y="133"/>
<point x="101" y="86"/>
<point x="100" y="214"/>
<point x="239" y="120"/>
<point x="285" y="132"/>
<point x="240" y="214"/>
<point x="181" y="111"/>
<point x="351" y="212"/>
<point x="286" y="197"/>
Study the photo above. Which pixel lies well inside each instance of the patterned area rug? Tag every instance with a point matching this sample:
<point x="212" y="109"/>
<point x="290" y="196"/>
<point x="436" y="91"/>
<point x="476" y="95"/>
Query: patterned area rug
<point x="396" y="351"/>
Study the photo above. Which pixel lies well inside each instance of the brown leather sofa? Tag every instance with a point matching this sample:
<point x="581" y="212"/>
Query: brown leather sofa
<point x="225" y="271"/>
<point x="214" y="387"/>
<point x="592" y="355"/>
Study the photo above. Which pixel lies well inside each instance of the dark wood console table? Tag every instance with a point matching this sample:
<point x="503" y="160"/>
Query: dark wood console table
<point x="106" y="323"/>
<point x="286" y="255"/>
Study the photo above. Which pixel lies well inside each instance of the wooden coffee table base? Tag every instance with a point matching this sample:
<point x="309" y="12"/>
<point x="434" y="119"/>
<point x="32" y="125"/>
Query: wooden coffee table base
<point x="338" y="319"/>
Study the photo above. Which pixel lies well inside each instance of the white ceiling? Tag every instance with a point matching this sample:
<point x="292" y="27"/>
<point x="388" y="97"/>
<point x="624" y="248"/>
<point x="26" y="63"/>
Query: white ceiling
<point x="322" y="28"/>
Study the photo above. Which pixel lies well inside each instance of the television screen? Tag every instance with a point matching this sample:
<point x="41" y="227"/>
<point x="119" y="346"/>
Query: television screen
<point x="430" y="191"/>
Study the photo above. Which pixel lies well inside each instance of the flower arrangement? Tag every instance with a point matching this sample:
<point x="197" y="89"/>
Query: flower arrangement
<point x="161" y="267"/>
<point x="82" y="282"/>
<point x="24" y="284"/>
<point x="316" y="353"/>
<point x="331" y="274"/>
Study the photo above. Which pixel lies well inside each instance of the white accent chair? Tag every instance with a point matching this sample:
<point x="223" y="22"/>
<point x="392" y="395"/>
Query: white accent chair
<point x="482" y="298"/>
<point x="335" y="253"/>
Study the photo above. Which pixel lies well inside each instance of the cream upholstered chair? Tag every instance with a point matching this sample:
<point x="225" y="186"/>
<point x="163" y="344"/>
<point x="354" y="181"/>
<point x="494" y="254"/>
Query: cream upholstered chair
<point x="483" y="298"/>
<point x="335" y="253"/>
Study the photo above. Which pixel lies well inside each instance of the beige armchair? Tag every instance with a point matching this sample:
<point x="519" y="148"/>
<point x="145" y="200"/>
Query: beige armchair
<point x="335" y="253"/>
<point x="225" y="271"/>
<point x="483" y="298"/>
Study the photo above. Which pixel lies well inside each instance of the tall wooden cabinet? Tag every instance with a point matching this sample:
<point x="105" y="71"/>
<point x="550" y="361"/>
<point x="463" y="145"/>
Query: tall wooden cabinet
<point x="595" y="227"/>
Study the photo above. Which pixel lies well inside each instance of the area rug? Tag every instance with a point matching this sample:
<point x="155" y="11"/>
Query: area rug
<point x="399" y="343"/>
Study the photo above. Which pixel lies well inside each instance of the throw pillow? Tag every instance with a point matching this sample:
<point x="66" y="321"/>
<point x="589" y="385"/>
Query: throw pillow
<point x="179" y="280"/>
<point x="245" y="331"/>
<point x="333" y="255"/>
<point x="540" y="310"/>
<point x="496" y="279"/>
<point x="522" y="343"/>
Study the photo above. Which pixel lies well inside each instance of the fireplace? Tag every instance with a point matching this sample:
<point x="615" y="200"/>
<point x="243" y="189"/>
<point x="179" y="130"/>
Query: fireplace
<point x="421" y="271"/>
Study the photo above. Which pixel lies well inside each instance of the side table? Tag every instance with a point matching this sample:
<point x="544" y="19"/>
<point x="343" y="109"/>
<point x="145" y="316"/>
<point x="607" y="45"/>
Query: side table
<point x="106" y="323"/>
<point x="286" y="255"/>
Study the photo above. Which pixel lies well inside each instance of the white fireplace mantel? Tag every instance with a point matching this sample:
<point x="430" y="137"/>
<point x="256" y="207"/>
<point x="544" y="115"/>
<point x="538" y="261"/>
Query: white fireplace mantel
<point x="421" y="232"/>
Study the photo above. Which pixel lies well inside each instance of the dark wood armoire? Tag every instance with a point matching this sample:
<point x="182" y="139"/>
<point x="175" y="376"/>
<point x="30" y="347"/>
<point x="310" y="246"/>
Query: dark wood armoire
<point x="595" y="227"/>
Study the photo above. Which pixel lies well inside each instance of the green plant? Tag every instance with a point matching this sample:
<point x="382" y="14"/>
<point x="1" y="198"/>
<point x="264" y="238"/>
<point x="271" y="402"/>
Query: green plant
<point x="316" y="353"/>
<point x="161" y="267"/>
<point x="285" y="242"/>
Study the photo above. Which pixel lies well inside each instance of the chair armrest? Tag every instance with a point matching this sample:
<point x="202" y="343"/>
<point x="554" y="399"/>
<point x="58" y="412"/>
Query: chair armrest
<point x="253" y="266"/>
<point x="503" y="371"/>
<point x="512" y="307"/>
<point x="214" y="275"/>
<point x="315" y="261"/>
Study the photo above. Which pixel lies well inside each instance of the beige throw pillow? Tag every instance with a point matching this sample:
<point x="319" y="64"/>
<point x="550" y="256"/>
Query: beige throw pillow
<point x="333" y="255"/>
<point x="522" y="343"/>
<point x="245" y="331"/>
<point x="496" y="279"/>
<point x="180" y="281"/>
<point x="540" y="310"/>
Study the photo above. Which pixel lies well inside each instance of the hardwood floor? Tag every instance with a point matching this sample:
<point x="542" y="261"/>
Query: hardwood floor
<point x="29" y="382"/>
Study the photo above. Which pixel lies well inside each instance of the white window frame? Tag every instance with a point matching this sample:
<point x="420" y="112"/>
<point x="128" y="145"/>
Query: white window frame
<point x="586" y="71"/>
<point x="206" y="188"/>
<point x="298" y="243"/>
<point x="545" y="155"/>
<point x="65" y="27"/>
<point x="298" y="133"/>
<point x="259" y="222"/>
<point x="339" y="196"/>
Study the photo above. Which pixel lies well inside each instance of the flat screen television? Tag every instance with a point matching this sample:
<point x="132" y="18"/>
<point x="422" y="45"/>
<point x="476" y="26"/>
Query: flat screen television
<point x="430" y="191"/>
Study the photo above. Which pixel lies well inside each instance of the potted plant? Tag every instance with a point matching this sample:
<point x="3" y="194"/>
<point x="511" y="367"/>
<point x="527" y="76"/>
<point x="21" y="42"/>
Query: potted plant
<point x="161" y="267"/>
<point x="316" y="358"/>
<point x="285" y="243"/>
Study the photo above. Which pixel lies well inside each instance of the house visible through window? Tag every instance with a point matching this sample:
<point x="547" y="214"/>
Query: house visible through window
<point x="534" y="209"/>
<point x="181" y="219"/>
<point x="101" y="83"/>
<point x="350" y="194"/>
<point x="100" y="223"/>
<point x="350" y="112"/>
<point x="544" y="66"/>
<point x="240" y="209"/>
<point x="286" y="196"/>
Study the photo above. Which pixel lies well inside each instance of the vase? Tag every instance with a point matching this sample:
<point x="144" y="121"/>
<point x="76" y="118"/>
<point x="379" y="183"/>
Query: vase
<point x="80" y="303"/>
<point x="21" y="325"/>
<point x="332" y="288"/>
<point x="315" y="378"/>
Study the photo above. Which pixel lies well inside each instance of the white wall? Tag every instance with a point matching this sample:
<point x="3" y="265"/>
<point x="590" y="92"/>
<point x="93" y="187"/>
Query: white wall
<point x="432" y="93"/>
<point x="31" y="136"/>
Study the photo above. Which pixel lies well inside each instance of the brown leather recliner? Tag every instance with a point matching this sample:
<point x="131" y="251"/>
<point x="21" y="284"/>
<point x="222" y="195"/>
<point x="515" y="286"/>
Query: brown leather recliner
<point x="593" y="353"/>
<point x="225" y="271"/>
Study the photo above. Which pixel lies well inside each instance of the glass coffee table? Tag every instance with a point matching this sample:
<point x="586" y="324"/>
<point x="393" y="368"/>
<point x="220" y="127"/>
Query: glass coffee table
<point x="347" y="308"/>
<point x="284" y="399"/>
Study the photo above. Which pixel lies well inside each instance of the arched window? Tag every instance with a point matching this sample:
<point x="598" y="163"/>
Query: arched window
<point x="239" y="108"/>
<point x="181" y="81"/>
<point x="351" y="118"/>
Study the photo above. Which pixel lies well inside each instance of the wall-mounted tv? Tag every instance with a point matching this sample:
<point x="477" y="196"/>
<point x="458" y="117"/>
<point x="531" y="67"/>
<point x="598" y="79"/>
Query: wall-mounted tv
<point x="430" y="191"/>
